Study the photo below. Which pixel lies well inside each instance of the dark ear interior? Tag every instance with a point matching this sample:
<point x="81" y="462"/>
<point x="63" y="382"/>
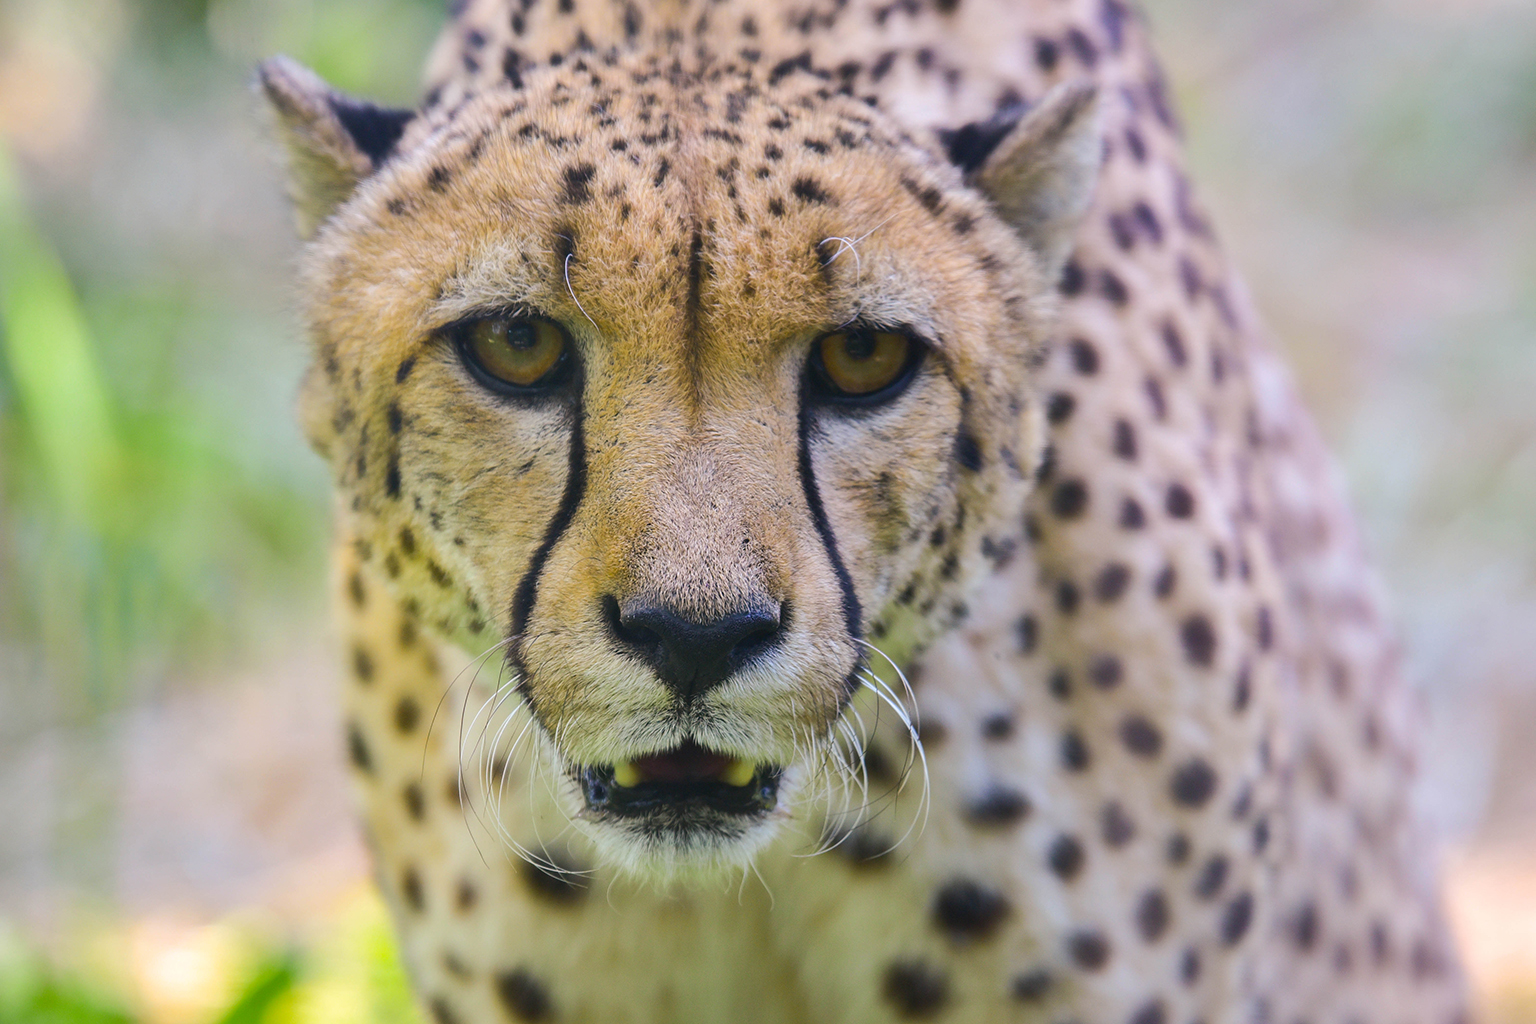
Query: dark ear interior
<point x="1039" y="168"/>
<point x="375" y="130"/>
<point x="969" y="145"/>
<point x="333" y="141"/>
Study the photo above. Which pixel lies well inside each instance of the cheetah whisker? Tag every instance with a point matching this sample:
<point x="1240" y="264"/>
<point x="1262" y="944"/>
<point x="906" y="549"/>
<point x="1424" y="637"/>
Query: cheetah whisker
<point x="568" y="258"/>
<point x="475" y="664"/>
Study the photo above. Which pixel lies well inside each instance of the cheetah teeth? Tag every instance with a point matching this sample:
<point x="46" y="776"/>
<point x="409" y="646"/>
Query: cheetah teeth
<point x="738" y="773"/>
<point x="627" y="774"/>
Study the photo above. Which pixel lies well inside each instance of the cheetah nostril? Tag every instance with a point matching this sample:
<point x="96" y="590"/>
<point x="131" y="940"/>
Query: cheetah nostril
<point x="692" y="657"/>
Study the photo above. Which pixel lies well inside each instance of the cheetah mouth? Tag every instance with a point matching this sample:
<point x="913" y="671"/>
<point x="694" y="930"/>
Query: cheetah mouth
<point x="687" y="778"/>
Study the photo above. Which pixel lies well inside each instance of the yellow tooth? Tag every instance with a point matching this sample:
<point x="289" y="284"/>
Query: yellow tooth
<point x="626" y="774"/>
<point x="739" y="772"/>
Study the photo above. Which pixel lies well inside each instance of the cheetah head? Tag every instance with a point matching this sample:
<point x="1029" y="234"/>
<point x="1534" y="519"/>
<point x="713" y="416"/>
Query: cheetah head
<point x="703" y="393"/>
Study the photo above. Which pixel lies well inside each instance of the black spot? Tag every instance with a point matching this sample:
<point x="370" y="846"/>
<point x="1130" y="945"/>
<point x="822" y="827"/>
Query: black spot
<point x="1047" y="53"/>
<point x="1111" y="582"/>
<point x="1031" y="986"/>
<point x="1082" y="47"/>
<point x="1120" y="228"/>
<point x="1060" y="684"/>
<point x="362" y="664"/>
<point x="1131" y="515"/>
<point x="1155" y="398"/>
<point x="1163" y="583"/>
<point x="407" y="714"/>
<point x="1105" y="671"/>
<point x="1264" y="632"/>
<point x="1068" y="597"/>
<point x="1189" y="966"/>
<point x="662" y="168"/>
<point x="1069" y="499"/>
<point x="1116" y="825"/>
<point x="1199" y="640"/>
<point x="438" y="179"/>
<point x="1179" y="849"/>
<point x="789" y="66"/>
<point x="1072" y="279"/>
<point x="1141" y="737"/>
<point x="808" y="190"/>
<point x="411" y="889"/>
<point x="1088" y="949"/>
<point x="1125" y="440"/>
<point x="1028" y="633"/>
<point x="999" y="806"/>
<point x="1212" y="876"/>
<point x="930" y="198"/>
<point x="1146" y="221"/>
<point x="1113" y="288"/>
<point x="968" y="911"/>
<point x="357" y="749"/>
<point x="1235" y="918"/>
<point x="404" y="369"/>
<point x="1305" y="927"/>
<point x="442" y="1013"/>
<point x="1074" y="752"/>
<point x="1058" y="407"/>
<point x="1242" y="690"/>
<point x="1085" y="358"/>
<point x="523" y="996"/>
<point x="968" y="452"/>
<point x="554" y="879"/>
<point x="392" y="477"/>
<point x="1179" y="502"/>
<point x="1066" y="857"/>
<point x="415" y="801"/>
<point x="578" y="183"/>
<point x="1193" y="783"/>
<point x="465" y="896"/>
<point x="997" y="726"/>
<point x="915" y="989"/>
<point x="1150" y="1013"/>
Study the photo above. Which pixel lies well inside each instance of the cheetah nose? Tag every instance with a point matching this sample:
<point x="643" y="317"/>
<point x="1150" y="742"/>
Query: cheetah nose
<point x="692" y="657"/>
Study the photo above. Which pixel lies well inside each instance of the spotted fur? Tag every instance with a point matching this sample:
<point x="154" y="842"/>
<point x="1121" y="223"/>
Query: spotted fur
<point x="1166" y="744"/>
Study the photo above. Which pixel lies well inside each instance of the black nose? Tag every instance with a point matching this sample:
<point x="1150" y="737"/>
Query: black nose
<point x="692" y="657"/>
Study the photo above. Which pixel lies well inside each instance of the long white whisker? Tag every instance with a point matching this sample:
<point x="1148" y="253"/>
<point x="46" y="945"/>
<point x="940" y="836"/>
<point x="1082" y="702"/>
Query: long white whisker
<point x="568" y="257"/>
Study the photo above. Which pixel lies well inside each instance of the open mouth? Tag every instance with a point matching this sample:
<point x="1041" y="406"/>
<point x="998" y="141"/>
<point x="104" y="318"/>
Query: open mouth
<point x="686" y="777"/>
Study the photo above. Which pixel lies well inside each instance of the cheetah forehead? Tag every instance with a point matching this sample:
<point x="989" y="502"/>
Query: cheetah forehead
<point x="610" y="191"/>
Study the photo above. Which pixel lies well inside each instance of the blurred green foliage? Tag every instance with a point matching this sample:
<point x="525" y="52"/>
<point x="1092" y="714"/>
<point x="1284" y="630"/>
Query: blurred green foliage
<point x="154" y="511"/>
<point x="347" y="973"/>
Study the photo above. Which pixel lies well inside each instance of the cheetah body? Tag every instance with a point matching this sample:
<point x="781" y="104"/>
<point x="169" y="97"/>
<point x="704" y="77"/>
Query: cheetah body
<point x="1166" y="744"/>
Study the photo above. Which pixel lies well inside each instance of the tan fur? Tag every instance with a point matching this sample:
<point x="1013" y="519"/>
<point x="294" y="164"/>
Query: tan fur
<point x="1164" y="765"/>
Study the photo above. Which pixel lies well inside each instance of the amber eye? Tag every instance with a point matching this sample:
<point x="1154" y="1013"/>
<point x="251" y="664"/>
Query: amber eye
<point x="857" y="364"/>
<point x="524" y="352"/>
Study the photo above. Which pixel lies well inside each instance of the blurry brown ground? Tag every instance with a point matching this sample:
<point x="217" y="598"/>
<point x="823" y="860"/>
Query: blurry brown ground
<point x="1371" y="164"/>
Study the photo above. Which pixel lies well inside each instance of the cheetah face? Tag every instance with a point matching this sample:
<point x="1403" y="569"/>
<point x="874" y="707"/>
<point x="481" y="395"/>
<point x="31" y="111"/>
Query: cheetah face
<point x="704" y="395"/>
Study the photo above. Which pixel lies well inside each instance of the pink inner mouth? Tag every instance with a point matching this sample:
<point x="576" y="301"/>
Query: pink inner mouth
<point x="687" y="763"/>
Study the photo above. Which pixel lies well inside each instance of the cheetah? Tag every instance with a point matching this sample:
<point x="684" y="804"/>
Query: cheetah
<point x="823" y="535"/>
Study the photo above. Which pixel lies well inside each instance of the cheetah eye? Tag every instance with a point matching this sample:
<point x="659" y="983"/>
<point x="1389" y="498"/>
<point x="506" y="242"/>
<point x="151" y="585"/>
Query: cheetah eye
<point x="864" y="365"/>
<point x="512" y="354"/>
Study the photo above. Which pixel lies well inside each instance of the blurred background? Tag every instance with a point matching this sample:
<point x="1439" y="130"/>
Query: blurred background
<point x="176" y="845"/>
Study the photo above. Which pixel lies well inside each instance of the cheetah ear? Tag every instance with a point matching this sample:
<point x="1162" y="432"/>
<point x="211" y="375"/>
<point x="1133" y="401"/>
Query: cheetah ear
<point x="1040" y="174"/>
<point x="333" y="141"/>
